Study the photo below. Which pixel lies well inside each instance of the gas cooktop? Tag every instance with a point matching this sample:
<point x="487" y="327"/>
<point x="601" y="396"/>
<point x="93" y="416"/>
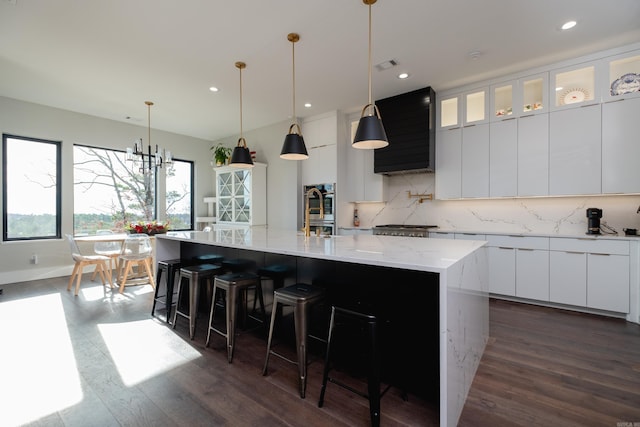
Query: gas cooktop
<point x="411" y="226"/>
<point x="409" y="230"/>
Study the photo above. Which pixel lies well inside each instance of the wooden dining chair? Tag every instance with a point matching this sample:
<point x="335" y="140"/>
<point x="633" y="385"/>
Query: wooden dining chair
<point x="100" y="261"/>
<point x="136" y="251"/>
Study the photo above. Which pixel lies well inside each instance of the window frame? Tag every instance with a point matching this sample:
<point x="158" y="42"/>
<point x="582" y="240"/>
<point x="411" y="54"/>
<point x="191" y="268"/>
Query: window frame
<point x="5" y="189"/>
<point x="192" y="196"/>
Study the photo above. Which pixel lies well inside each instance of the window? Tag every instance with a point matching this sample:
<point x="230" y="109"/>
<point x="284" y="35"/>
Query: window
<point x="179" y="196"/>
<point x="110" y="192"/>
<point x="31" y="175"/>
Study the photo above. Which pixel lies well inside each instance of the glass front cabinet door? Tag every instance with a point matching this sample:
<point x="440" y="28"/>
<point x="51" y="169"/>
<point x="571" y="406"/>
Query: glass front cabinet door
<point x="622" y="74"/>
<point x="241" y="195"/>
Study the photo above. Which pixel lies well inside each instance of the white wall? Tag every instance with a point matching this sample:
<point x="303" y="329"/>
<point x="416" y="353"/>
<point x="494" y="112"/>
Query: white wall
<point x="37" y="121"/>
<point x="283" y="176"/>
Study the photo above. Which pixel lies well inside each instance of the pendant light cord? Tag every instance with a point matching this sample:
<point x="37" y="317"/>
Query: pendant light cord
<point x="240" y="68"/>
<point x="369" y="54"/>
<point x="293" y="67"/>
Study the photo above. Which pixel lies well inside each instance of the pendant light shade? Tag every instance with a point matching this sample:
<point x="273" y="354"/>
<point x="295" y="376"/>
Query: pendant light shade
<point x="241" y="156"/>
<point x="293" y="147"/>
<point x="370" y="133"/>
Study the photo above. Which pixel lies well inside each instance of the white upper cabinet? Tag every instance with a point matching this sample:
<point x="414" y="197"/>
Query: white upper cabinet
<point x="321" y="138"/>
<point x="622" y="76"/>
<point x="620" y="147"/>
<point x="363" y="185"/>
<point x="575" y="151"/>
<point x="533" y="155"/>
<point x="449" y="164"/>
<point x="503" y="158"/>
<point x="449" y="113"/>
<point x="517" y="98"/>
<point x="464" y="109"/>
<point x="574" y="87"/>
<point x="242" y="195"/>
<point x="475" y="107"/>
<point x="475" y="161"/>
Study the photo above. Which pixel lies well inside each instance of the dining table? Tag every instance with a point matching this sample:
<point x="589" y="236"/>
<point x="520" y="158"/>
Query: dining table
<point x="138" y="277"/>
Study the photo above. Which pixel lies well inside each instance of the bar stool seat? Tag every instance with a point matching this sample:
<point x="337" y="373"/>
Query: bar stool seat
<point x="358" y="328"/>
<point x="215" y="259"/>
<point x="301" y="297"/>
<point x="233" y="284"/>
<point x="194" y="274"/>
<point x="238" y="265"/>
<point x="171" y="267"/>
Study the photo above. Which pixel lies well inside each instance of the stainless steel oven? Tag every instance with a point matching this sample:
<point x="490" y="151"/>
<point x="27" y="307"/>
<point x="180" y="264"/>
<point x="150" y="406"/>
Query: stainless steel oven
<point x="328" y="202"/>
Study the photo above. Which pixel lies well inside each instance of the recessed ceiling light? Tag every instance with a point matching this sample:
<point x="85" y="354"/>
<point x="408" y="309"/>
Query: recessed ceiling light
<point x="403" y="75"/>
<point x="568" y="25"/>
<point x="475" y="54"/>
<point x="307" y="105"/>
<point x="213" y="89"/>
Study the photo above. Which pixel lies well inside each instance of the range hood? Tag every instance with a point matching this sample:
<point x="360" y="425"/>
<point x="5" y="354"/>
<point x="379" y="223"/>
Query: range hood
<point x="408" y="120"/>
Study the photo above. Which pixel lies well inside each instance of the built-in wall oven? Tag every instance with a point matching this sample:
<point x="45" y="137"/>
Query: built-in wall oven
<point x="312" y="201"/>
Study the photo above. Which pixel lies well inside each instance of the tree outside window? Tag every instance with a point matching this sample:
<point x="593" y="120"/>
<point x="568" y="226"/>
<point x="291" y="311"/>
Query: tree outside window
<point x="110" y="192"/>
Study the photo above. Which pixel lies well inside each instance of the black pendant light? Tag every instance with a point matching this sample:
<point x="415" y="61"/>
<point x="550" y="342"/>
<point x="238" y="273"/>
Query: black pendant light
<point x="293" y="147"/>
<point x="370" y="133"/>
<point x="241" y="157"/>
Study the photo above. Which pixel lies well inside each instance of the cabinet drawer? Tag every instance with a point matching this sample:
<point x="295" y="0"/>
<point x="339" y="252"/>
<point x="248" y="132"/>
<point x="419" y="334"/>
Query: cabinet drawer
<point x="519" y="242"/>
<point x="470" y="236"/>
<point x="611" y="247"/>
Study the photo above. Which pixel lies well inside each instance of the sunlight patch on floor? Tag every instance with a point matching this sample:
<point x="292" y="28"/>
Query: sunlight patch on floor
<point x="39" y="373"/>
<point x="143" y="349"/>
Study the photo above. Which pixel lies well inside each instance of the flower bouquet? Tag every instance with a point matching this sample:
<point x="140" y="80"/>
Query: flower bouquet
<point x="149" y="227"/>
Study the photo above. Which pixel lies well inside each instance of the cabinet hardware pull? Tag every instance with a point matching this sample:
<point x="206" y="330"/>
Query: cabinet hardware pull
<point x="596" y="253"/>
<point x="457" y="127"/>
<point x="615" y="100"/>
<point x="573" y="252"/>
<point x="588" y="105"/>
<point x="510" y="118"/>
<point x="504" y="247"/>
<point x="525" y="249"/>
<point x="515" y="235"/>
<point x="528" y="115"/>
<point x="468" y="126"/>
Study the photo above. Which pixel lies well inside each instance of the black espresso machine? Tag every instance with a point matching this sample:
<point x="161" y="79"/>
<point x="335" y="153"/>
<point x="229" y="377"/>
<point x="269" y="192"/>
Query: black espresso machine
<point x="593" y="216"/>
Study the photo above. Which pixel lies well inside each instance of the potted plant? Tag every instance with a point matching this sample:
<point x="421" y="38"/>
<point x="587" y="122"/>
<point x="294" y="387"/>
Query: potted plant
<point x="221" y="154"/>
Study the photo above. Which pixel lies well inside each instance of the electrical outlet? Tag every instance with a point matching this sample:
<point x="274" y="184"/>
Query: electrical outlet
<point x="34" y="259"/>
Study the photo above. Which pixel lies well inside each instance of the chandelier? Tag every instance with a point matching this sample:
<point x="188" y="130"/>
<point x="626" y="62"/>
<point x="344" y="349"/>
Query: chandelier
<point x="137" y="155"/>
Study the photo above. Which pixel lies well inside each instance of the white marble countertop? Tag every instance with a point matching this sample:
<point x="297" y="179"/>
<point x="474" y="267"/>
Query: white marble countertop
<point x="571" y="236"/>
<point x="433" y="255"/>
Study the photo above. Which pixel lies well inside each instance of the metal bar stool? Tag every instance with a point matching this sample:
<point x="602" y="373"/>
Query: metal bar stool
<point x="208" y="259"/>
<point x="194" y="274"/>
<point x="364" y="331"/>
<point x="276" y="273"/>
<point x="299" y="296"/>
<point x="235" y="285"/>
<point x="238" y="265"/>
<point x="171" y="267"/>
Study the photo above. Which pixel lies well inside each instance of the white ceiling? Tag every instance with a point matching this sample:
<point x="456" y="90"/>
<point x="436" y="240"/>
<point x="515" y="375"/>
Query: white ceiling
<point x="105" y="58"/>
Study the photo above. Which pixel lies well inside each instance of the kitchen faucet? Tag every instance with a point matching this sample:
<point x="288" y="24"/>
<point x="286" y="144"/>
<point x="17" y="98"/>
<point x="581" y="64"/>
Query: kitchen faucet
<point x="307" y="210"/>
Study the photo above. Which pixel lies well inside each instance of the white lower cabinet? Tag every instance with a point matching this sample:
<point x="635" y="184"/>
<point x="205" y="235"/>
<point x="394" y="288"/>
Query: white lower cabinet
<point x="532" y="274"/>
<point x="591" y="273"/>
<point x="608" y="282"/>
<point x="519" y="266"/>
<point x="568" y="277"/>
<point x="502" y="270"/>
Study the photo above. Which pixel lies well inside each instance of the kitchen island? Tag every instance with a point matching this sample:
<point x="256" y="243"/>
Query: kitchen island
<point x="445" y="282"/>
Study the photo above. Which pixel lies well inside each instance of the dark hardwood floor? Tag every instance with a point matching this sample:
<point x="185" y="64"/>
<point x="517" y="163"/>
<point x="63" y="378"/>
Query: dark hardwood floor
<point x="100" y="359"/>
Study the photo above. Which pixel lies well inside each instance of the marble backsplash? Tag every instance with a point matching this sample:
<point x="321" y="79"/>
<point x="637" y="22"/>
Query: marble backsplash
<point x="544" y="215"/>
